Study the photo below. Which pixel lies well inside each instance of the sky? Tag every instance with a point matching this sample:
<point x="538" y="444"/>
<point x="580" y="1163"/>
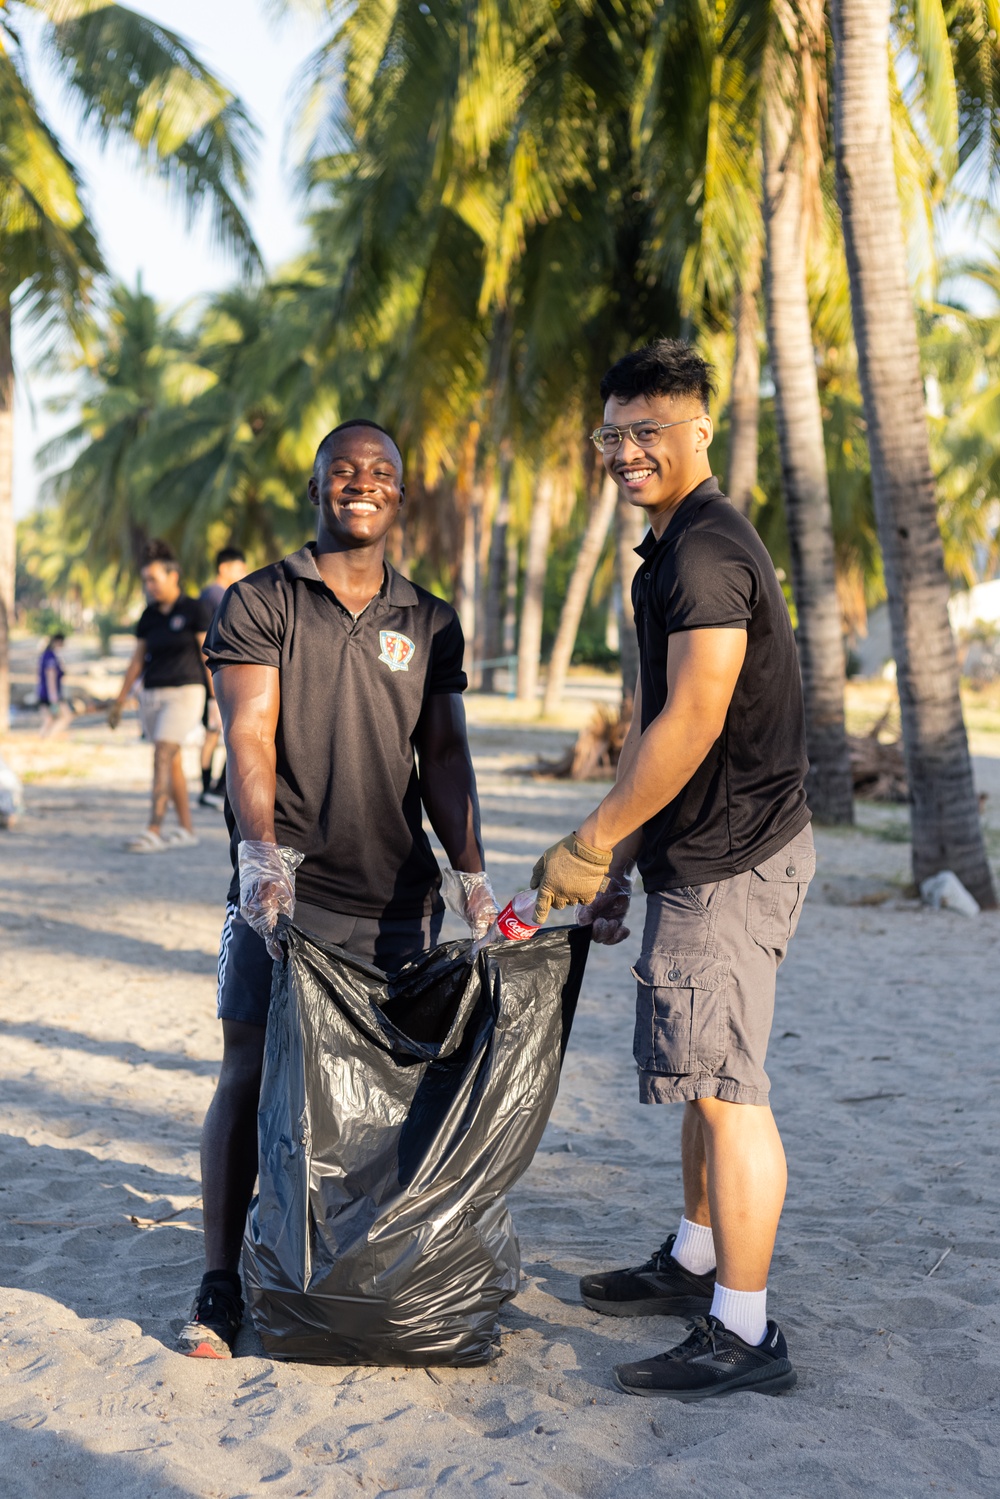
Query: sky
<point x="141" y="230"/>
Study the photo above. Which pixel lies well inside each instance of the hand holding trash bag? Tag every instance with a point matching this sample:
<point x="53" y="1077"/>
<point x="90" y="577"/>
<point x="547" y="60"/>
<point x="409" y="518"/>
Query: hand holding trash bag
<point x="471" y="897"/>
<point x="606" y="913"/>
<point x="267" y="888"/>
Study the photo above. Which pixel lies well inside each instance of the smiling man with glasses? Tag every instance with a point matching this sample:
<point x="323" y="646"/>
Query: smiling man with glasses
<point x="710" y="802"/>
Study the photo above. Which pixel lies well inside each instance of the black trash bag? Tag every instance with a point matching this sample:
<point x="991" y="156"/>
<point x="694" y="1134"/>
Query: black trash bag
<point x="394" y="1114"/>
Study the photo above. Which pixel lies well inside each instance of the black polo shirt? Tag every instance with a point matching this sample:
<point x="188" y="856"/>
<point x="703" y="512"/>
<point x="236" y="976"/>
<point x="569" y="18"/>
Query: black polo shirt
<point x="352" y="692"/>
<point x="710" y="570"/>
<point x="173" y="657"/>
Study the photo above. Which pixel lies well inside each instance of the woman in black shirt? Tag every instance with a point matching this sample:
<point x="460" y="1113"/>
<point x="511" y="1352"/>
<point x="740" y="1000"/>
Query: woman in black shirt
<point x="168" y="659"/>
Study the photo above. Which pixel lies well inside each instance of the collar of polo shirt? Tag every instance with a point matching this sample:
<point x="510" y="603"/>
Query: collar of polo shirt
<point x="397" y="591"/>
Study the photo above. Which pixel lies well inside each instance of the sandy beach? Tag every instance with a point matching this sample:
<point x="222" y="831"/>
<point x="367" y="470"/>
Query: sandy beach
<point x="885" y="1064"/>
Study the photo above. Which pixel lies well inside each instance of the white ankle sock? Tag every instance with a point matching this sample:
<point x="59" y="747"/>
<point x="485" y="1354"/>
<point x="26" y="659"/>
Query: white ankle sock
<point x="743" y="1312"/>
<point x="694" y="1247"/>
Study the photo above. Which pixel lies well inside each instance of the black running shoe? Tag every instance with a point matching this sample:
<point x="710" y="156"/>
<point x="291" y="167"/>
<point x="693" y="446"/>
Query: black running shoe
<point x="215" y="1320"/>
<point x="659" y="1288"/>
<point x="711" y="1361"/>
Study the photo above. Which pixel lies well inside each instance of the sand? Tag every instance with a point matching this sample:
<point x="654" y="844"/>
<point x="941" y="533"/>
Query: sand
<point x="885" y="1063"/>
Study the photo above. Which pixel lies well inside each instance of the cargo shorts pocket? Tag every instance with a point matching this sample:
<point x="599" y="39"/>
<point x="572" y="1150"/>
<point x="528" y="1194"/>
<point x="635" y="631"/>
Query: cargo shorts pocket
<point x="682" y="1012"/>
<point x="777" y="889"/>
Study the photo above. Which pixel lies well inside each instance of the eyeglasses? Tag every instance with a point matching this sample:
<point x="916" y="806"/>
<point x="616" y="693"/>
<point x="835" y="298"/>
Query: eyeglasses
<point x="646" y="434"/>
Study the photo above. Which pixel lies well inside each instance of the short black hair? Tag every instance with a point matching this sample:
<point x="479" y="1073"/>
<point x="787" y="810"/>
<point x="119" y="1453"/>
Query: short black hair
<point x="58" y="638"/>
<point x="160" y="551"/>
<point x="665" y="367"/>
<point x="228" y="554"/>
<point x="323" y="451"/>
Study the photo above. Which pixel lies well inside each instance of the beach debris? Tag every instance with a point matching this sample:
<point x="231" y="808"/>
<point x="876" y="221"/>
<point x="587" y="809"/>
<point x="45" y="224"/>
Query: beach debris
<point x="945" y="892"/>
<point x="938" y="1263"/>
<point x="878" y="769"/>
<point x="594" y="755"/>
<point x="11" y="795"/>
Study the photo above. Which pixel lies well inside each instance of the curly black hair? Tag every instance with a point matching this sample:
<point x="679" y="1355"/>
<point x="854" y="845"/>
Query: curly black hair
<point x="665" y="367"/>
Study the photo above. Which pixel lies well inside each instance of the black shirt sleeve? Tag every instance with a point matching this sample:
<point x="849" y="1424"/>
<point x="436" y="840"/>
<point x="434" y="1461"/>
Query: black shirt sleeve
<point x="447" y="651"/>
<point x="142" y="628"/>
<point x="246" y="630"/>
<point x="716" y="584"/>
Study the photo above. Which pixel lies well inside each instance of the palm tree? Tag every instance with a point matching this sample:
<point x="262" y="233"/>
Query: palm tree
<point x="946" y="828"/>
<point x="791" y="157"/>
<point x="744" y="390"/>
<point x="588" y="555"/>
<point x="127" y="361"/>
<point x="133" y="80"/>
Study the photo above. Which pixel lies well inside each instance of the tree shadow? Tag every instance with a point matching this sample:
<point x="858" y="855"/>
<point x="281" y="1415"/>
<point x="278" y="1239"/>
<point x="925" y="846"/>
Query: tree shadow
<point x="122" y="1051"/>
<point x="73" y="939"/>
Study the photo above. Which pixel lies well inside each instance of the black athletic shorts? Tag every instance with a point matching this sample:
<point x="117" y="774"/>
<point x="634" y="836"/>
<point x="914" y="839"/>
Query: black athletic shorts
<point x="245" y="965"/>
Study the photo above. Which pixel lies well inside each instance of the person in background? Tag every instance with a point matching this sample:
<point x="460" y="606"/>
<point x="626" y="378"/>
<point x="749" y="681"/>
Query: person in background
<point x="50" y="693"/>
<point x="230" y="567"/>
<point x="175" y="679"/>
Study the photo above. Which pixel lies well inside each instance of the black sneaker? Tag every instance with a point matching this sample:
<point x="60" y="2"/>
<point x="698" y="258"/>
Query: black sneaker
<point x="215" y="1320"/>
<point x="212" y="799"/>
<point x="659" y="1288"/>
<point x="712" y="1361"/>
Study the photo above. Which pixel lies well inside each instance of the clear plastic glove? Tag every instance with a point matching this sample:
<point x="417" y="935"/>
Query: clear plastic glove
<point x="471" y="897"/>
<point x="267" y="888"/>
<point x="607" y="911"/>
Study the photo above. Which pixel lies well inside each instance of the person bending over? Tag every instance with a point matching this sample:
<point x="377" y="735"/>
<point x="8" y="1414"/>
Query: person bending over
<point x="340" y="686"/>
<point x="169" y="661"/>
<point x="230" y="567"/>
<point x="710" y="799"/>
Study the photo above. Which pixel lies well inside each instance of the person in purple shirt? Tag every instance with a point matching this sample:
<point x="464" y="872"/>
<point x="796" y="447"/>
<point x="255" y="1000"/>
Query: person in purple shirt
<point x="56" y="712"/>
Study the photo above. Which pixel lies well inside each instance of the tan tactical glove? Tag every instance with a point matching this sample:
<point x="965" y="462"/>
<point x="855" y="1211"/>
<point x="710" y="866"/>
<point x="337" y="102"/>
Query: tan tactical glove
<point x="568" y="874"/>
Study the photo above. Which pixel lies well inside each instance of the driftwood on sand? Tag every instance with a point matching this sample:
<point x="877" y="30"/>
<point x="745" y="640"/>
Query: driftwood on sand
<point x="877" y="768"/>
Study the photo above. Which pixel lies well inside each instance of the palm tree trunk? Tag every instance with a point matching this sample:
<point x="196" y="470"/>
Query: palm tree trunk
<point x="465" y="592"/>
<point x="946" y="829"/>
<point x="803" y="457"/>
<point x="493" y="602"/>
<point x="6" y="510"/>
<point x="630" y="526"/>
<point x="512" y="579"/>
<point x="587" y="558"/>
<point x="529" y="646"/>
<point x="744" y="397"/>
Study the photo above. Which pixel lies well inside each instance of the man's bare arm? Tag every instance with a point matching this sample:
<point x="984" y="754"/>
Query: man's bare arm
<point x="702" y="670"/>
<point x="448" y="781"/>
<point x="627" y="849"/>
<point x="249" y="699"/>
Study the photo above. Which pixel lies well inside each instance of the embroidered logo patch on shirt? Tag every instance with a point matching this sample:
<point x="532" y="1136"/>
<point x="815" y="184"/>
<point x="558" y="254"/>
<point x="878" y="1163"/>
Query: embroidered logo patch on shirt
<point x="397" y="650"/>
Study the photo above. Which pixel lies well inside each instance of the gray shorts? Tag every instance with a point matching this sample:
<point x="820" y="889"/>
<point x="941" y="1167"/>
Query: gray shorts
<point x="706" y="977"/>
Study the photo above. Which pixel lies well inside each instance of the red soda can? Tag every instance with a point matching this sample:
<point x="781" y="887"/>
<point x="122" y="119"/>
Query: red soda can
<point x="513" y="923"/>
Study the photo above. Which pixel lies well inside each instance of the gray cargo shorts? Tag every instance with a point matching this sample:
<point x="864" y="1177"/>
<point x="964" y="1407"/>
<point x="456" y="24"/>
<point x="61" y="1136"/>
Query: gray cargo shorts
<point x="706" y="977"/>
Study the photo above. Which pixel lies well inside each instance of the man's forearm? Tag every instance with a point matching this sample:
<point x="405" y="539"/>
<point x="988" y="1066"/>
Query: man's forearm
<point x="250" y="782"/>
<point x="448" y="792"/>
<point x="665" y="759"/>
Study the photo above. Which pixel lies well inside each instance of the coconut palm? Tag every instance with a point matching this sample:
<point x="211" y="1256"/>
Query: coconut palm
<point x="131" y="80"/>
<point x="946" y="829"/>
<point x="126" y="361"/>
<point x="791" y="88"/>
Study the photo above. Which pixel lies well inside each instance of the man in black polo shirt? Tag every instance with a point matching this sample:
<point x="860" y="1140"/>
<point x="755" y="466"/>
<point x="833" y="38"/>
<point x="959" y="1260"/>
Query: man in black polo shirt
<point x="710" y="800"/>
<point x="340" y="685"/>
